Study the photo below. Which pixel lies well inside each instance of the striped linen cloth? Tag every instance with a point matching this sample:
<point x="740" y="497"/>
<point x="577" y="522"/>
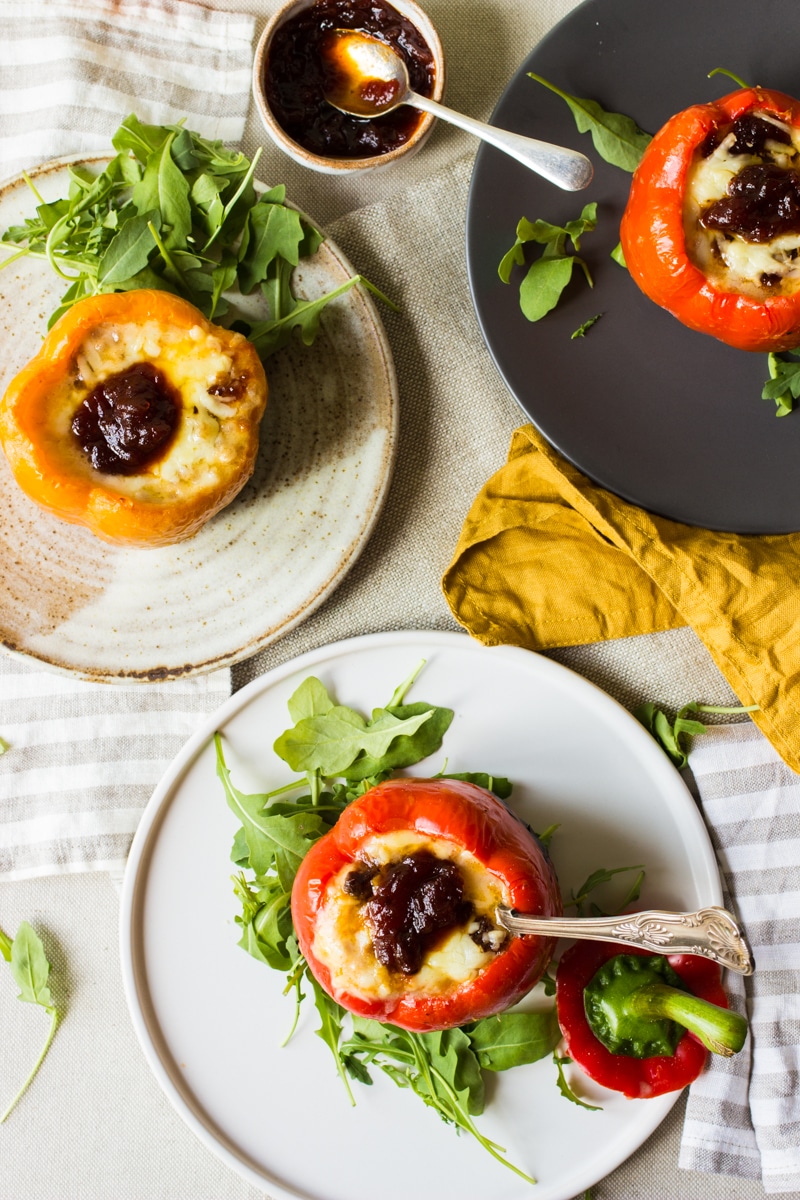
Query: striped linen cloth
<point x="82" y="761"/>
<point x="743" y="1115"/>
<point x="84" y="758"/>
<point x="70" y="70"/>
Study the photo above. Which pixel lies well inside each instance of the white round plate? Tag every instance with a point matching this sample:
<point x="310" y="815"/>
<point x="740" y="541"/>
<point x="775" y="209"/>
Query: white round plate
<point x="266" y="561"/>
<point x="211" y="1019"/>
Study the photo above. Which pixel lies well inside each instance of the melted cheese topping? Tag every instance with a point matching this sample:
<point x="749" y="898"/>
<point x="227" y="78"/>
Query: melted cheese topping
<point x="731" y="263"/>
<point x="342" y="939"/>
<point x="206" y="442"/>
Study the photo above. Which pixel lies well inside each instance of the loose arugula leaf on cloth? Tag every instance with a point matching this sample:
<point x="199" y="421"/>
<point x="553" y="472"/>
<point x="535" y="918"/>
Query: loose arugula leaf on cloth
<point x="617" y="138"/>
<point x="175" y="211"/>
<point x="547" y="276"/>
<point x="31" y="972"/>
<point x="783" y="385"/>
<point x="669" y="736"/>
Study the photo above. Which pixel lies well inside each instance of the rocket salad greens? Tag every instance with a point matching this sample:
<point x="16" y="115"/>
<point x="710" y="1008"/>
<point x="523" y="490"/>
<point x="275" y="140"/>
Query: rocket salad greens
<point x="338" y="755"/>
<point x="177" y="212"/>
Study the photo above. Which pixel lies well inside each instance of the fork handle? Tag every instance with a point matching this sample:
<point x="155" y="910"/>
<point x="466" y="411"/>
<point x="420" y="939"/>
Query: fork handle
<point x="711" y="932"/>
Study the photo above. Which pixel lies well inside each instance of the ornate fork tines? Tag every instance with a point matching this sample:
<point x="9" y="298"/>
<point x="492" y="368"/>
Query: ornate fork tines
<point x="710" y="932"/>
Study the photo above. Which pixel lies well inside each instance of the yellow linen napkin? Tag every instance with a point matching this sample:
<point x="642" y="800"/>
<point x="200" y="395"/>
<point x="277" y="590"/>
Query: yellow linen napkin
<point x="547" y="558"/>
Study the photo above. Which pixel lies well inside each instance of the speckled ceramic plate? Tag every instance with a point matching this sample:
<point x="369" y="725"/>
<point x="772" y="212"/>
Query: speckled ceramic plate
<point x="258" y="568"/>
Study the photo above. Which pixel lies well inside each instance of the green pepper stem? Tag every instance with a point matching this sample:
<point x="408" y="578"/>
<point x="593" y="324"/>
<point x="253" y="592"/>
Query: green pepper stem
<point x="719" y="1029"/>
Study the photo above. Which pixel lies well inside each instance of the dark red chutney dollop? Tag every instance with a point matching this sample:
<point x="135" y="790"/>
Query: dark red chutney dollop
<point x="295" y="79"/>
<point x="126" y="422"/>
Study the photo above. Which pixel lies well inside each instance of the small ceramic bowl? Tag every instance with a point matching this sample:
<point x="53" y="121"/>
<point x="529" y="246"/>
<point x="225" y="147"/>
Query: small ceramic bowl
<point x="345" y="166"/>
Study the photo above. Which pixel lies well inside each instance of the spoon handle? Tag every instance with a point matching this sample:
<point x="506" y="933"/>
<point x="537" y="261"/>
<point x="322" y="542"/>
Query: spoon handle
<point x="568" y="169"/>
<point x="710" y="932"/>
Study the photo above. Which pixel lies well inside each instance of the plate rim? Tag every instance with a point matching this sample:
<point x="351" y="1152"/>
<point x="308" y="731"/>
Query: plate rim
<point x="348" y="558"/>
<point x="135" y="878"/>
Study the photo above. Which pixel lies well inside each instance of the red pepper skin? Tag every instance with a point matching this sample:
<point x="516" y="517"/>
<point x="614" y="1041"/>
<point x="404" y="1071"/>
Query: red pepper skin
<point x="638" y="1078"/>
<point x="653" y="239"/>
<point x="474" y="819"/>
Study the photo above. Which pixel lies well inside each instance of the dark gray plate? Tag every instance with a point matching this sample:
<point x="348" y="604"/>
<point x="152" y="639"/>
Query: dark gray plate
<point x="664" y="417"/>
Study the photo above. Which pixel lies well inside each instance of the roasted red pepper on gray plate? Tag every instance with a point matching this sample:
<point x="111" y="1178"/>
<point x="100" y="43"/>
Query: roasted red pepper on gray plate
<point x="711" y="231"/>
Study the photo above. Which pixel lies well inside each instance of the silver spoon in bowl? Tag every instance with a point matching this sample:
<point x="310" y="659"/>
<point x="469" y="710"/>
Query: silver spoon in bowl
<point x="710" y="932"/>
<point x="368" y="79"/>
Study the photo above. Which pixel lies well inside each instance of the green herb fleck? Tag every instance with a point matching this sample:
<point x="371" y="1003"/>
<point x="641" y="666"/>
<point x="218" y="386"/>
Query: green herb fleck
<point x="582" y="330"/>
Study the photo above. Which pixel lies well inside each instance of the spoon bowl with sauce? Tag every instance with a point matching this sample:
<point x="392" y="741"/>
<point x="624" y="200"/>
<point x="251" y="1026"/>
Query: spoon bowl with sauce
<point x="366" y="78"/>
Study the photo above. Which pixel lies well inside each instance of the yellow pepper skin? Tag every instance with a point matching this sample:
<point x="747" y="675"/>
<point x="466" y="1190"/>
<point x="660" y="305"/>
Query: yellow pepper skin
<point x="166" y="500"/>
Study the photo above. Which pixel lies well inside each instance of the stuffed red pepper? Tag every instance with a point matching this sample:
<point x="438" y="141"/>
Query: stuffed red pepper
<point x="711" y="231"/>
<point x="394" y="909"/>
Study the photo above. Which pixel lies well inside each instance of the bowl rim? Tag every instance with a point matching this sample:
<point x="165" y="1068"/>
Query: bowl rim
<point x="407" y="8"/>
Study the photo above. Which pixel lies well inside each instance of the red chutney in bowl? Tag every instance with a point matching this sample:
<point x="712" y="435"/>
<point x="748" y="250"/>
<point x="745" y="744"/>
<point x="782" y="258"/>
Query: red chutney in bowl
<point x="295" y="77"/>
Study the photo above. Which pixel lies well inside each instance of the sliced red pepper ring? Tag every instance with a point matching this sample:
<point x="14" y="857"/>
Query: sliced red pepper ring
<point x="701" y="279"/>
<point x="638" y="1078"/>
<point x="393" y="909"/>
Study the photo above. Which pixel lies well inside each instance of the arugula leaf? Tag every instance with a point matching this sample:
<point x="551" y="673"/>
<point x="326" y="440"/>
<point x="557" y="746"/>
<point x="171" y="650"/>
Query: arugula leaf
<point x="669" y="736"/>
<point x="130" y="250"/>
<point x="582" y="330"/>
<point x="617" y="138"/>
<point x="309" y="700"/>
<point x="407" y="748"/>
<point x="547" y="276"/>
<point x="546" y="836"/>
<point x="164" y="187"/>
<point x="440" y="1068"/>
<point x="601" y="876"/>
<point x="618" y="255"/>
<point x="566" y="1091"/>
<point x="330" y="1029"/>
<point x="514" y="1038"/>
<point x="271" y="335"/>
<point x="331" y="742"/>
<point x="31" y="971"/>
<point x="497" y="784"/>
<point x="275" y="232"/>
<point x="4" y="746"/>
<point x="177" y="212"/>
<point x="783" y="385"/>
